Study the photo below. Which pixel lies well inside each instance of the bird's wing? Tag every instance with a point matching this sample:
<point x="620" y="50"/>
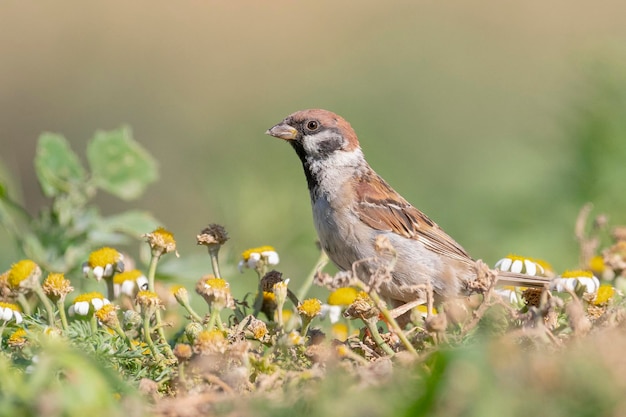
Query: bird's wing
<point x="382" y="208"/>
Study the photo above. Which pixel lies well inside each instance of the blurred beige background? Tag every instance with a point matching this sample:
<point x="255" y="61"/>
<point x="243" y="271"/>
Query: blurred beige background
<point x="464" y="107"/>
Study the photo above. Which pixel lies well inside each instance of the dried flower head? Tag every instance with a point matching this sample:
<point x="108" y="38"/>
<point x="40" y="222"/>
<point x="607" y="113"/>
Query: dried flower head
<point x="56" y="286"/>
<point x="532" y="296"/>
<point x="269" y="279"/>
<point x="216" y="292"/>
<point x="213" y="235"/>
<point x="619" y="233"/>
<point x="129" y="283"/>
<point x="148" y="300"/>
<point x="209" y="342"/>
<point x="10" y="312"/>
<point x="24" y="275"/>
<point x="104" y="263"/>
<point x="310" y="308"/>
<point x="363" y="307"/>
<point x="258" y="328"/>
<point x="5" y="288"/>
<point x="18" y="339"/>
<point x="87" y="304"/>
<point x="280" y="290"/>
<point x="161" y="241"/>
<point x="183" y="352"/>
<point x="108" y="316"/>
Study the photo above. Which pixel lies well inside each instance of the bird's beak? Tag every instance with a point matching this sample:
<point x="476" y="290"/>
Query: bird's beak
<point x="282" y="131"/>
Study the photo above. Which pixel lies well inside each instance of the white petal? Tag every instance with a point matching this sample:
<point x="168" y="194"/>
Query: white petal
<point x="108" y="270"/>
<point x="106" y="301"/>
<point x="128" y="288"/>
<point x="334" y="314"/>
<point x="240" y="266"/>
<point x="254" y="256"/>
<point x="541" y="270"/>
<point x="252" y="262"/>
<point x="7" y="313"/>
<point x="98" y="271"/>
<point x="142" y="282"/>
<point x="81" y="308"/>
<point x="97" y="303"/>
<point x="86" y="269"/>
<point x="517" y="266"/>
<point x="504" y="264"/>
<point x="18" y="317"/>
<point x="71" y="311"/>
<point x="531" y="267"/>
<point x="570" y="283"/>
<point x="272" y="257"/>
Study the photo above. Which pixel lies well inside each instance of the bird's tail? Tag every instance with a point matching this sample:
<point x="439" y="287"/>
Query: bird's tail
<point x="522" y="280"/>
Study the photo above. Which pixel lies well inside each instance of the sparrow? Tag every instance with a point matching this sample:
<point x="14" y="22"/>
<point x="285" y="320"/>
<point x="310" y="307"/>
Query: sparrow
<point x="352" y="206"/>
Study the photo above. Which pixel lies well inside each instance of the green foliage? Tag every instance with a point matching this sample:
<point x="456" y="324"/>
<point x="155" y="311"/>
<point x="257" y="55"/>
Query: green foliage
<point x="119" y="164"/>
<point x="63" y="381"/>
<point x="598" y="135"/>
<point x="62" y="235"/>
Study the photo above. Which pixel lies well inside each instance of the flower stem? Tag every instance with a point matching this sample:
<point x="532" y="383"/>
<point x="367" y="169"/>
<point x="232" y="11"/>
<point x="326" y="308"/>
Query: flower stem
<point x="154" y="260"/>
<point x="21" y="299"/>
<point x="371" y="325"/>
<point x="391" y="322"/>
<point x="306" y="322"/>
<point x="213" y="251"/>
<point x="46" y="302"/>
<point x="93" y="324"/>
<point x="194" y="316"/>
<point x="61" y="307"/>
<point x="148" y="337"/>
<point x="110" y="288"/>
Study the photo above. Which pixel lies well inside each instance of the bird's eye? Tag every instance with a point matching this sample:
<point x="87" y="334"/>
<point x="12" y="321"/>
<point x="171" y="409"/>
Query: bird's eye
<point x="312" y="125"/>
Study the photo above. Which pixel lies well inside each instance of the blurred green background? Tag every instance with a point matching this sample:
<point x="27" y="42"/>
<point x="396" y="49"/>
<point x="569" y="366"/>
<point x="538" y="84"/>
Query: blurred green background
<point x="498" y="119"/>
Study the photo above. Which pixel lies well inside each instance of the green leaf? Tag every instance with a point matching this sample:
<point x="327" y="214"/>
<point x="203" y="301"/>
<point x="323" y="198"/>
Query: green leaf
<point x="57" y="166"/>
<point x="119" y="164"/>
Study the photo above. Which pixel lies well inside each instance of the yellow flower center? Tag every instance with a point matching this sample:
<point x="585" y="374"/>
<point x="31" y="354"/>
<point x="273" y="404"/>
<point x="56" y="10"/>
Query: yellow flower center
<point x="246" y="254"/>
<point x="10" y="306"/>
<point x="577" y="273"/>
<point x="605" y="293"/>
<point x="131" y="275"/>
<point x="339" y="331"/>
<point x="18" y="337"/>
<point x="20" y="271"/>
<point x="311" y="307"/>
<point x="88" y="297"/>
<point x="106" y="312"/>
<point x="342" y="296"/>
<point x="217" y="283"/>
<point x="597" y="263"/>
<point x="175" y="288"/>
<point x="163" y="239"/>
<point x="103" y="257"/>
<point x="210" y="336"/>
<point x="269" y="296"/>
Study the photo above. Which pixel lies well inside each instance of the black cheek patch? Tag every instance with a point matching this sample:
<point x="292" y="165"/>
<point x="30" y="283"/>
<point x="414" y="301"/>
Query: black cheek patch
<point x="329" y="146"/>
